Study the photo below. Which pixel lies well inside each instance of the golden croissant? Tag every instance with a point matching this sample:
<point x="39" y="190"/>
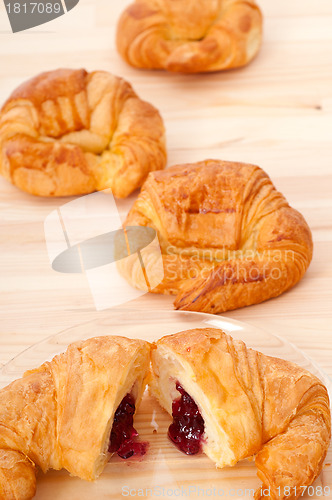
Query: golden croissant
<point x="228" y="238"/>
<point x="190" y="36"/>
<point x="72" y="413"/>
<point x="69" y="132"/>
<point x="232" y="402"/>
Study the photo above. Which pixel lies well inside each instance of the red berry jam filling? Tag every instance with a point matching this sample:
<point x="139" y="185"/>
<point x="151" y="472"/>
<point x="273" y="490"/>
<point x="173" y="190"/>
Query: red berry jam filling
<point x="187" y="428"/>
<point x="123" y="435"/>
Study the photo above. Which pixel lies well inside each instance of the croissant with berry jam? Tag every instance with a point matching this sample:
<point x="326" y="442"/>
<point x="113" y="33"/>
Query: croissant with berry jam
<point x="73" y="413"/>
<point x="232" y="402"/>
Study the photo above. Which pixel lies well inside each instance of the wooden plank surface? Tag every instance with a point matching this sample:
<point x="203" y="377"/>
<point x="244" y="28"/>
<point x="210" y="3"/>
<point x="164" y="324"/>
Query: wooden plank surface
<point x="277" y="113"/>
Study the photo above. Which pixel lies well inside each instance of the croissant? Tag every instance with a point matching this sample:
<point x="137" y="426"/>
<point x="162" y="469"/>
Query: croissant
<point x="190" y="36"/>
<point x="72" y="413"/>
<point x="69" y="132"/>
<point x="228" y="237"/>
<point x="232" y="402"/>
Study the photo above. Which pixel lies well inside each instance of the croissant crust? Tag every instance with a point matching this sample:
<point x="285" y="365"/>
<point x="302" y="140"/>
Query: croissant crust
<point x="61" y="414"/>
<point x="69" y="132"/>
<point x="252" y="404"/>
<point x="228" y="237"/>
<point x="190" y="36"/>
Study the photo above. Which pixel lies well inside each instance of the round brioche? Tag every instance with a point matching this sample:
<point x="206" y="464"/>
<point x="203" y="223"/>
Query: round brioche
<point x="228" y="237"/>
<point x="70" y="132"/>
<point x="190" y="36"/>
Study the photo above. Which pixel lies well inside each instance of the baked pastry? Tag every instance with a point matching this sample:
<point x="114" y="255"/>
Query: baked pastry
<point x="228" y="237"/>
<point x="72" y="413"/>
<point x="233" y="402"/>
<point x="69" y="132"/>
<point x="190" y="36"/>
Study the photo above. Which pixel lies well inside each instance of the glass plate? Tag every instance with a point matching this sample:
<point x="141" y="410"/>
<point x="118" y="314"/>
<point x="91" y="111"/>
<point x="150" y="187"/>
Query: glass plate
<point x="164" y="472"/>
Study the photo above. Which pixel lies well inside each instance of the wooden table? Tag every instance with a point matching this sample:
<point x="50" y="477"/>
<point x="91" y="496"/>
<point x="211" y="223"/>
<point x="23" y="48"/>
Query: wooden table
<point x="277" y="113"/>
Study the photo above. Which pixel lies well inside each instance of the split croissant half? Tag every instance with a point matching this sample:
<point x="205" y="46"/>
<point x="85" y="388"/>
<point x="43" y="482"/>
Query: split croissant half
<point x="61" y="414"/>
<point x="69" y="132"/>
<point x="251" y="404"/>
<point x="228" y="238"/>
<point x="190" y="36"/>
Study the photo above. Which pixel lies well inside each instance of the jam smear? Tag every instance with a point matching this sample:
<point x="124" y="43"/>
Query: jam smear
<point x="187" y="428"/>
<point x="123" y="435"/>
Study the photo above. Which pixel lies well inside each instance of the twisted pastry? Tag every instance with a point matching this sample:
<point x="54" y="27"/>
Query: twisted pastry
<point x="249" y="403"/>
<point x="61" y="414"/>
<point x="190" y="36"/>
<point x="69" y="132"/>
<point x="228" y="237"/>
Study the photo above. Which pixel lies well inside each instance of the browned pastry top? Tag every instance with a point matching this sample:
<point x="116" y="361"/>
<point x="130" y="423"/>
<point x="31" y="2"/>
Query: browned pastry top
<point x="190" y="36"/>
<point x="50" y="85"/>
<point x="69" y="132"/>
<point x="205" y="203"/>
